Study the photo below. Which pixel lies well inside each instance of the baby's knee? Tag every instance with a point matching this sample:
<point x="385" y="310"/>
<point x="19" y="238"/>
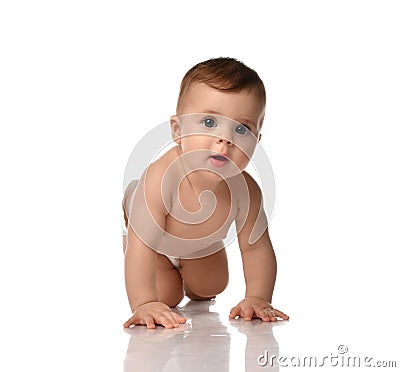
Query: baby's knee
<point x="209" y="288"/>
<point x="172" y="298"/>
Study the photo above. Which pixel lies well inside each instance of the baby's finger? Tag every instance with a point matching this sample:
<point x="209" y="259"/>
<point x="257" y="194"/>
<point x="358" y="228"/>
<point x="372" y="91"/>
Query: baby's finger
<point x="248" y="313"/>
<point x="167" y="320"/>
<point x="235" y="311"/>
<point x="148" y="319"/>
<point x="263" y="314"/>
<point x="129" y="322"/>
<point x="179" y="319"/>
<point x="281" y="314"/>
<point x="271" y="314"/>
<point x="173" y="317"/>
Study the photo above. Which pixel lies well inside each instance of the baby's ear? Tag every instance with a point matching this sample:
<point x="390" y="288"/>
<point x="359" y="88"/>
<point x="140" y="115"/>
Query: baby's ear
<point x="175" y="129"/>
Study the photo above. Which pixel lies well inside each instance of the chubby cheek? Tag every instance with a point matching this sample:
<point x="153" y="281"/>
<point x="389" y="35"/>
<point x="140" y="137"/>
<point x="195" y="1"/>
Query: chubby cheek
<point x="241" y="163"/>
<point x="192" y="143"/>
<point x="242" y="158"/>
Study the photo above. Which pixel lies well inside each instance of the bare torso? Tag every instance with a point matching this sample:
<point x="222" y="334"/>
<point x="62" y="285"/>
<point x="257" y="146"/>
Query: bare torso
<point x="194" y="221"/>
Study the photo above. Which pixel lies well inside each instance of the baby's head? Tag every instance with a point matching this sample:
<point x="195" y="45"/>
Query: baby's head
<point x="233" y="97"/>
<point x="223" y="75"/>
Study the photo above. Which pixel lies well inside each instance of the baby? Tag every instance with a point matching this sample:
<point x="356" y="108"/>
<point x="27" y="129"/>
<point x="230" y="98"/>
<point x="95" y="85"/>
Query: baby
<point x="179" y="212"/>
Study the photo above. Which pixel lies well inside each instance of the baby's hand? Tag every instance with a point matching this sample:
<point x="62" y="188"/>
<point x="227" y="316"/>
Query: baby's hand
<point x="256" y="307"/>
<point x="154" y="313"/>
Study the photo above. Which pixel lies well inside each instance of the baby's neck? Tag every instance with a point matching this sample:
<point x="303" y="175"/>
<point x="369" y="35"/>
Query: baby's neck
<point x="203" y="180"/>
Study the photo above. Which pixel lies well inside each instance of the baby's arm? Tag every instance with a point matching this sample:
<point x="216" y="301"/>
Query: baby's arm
<point x="259" y="262"/>
<point x="146" y="212"/>
<point x="140" y="280"/>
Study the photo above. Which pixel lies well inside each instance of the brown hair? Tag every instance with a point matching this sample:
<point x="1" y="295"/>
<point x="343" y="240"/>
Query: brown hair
<point x="222" y="73"/>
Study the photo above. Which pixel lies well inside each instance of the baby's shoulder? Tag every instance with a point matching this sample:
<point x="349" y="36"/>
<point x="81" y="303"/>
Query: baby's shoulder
<point x="160" y="178"/>
<point x="249" y="196"/>
<point x="245" y="188"/>
<point x="157" y="170"/>
<point x="251" y="183"/>
<point x="244" y="181"/>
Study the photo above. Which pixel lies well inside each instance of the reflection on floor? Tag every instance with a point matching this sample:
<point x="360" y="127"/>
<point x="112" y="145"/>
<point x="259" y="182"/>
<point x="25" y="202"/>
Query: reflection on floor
<point x="207" y="342"/>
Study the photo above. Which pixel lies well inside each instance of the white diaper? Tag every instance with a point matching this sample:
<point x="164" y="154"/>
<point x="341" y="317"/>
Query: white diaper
<point x="174" y="261"/>
<point x="123" y="227"/>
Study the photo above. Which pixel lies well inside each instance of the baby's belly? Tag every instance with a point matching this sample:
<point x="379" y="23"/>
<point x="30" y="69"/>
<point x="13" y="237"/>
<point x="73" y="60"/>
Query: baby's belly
<point x="187" y="240"/>
<point x="194" y="225"/>
<point x="215" y="230"/>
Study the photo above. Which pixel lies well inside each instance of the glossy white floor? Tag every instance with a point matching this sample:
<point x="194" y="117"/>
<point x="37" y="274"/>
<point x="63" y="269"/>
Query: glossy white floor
<point x="208" y="341"/>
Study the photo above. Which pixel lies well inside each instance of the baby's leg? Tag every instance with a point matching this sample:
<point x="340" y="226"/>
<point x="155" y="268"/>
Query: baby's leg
<point x="169" y="282"/>
<point x="205" y="277"/>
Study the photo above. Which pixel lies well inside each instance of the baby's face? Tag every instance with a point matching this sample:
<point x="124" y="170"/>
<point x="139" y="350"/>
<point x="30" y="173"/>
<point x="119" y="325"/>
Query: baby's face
<point x="218" y="130"/>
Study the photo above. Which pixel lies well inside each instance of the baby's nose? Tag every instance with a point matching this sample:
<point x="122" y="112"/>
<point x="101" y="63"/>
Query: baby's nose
<point x="226" y="140"/>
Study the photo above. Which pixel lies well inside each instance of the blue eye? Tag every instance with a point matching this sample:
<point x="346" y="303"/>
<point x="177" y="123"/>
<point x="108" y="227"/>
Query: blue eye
<point x="209" y="122"/>
<point x="241" y="129"/>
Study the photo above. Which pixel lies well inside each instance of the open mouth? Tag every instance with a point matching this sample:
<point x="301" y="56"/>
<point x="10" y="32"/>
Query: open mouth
<point x="218" y="161"/>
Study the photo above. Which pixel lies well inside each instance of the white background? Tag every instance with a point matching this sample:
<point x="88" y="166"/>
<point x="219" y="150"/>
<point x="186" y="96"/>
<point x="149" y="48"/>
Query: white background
<point x="82" y="81"/>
